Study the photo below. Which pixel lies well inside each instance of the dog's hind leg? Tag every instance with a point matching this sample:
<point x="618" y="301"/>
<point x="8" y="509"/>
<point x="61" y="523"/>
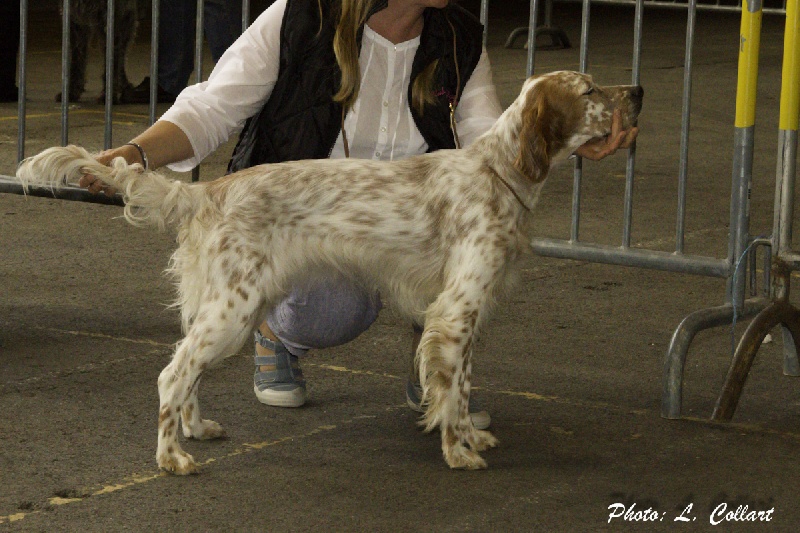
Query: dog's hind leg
<point x="222" y="325"/>
<point x="195" y="427"/>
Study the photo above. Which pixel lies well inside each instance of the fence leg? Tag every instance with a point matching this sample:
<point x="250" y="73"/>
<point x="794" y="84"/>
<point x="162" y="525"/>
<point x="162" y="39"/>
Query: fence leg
<point x="787" y="167"/>
<point x="672" y="395"/>
<point x="791" y="366"/>
<point x="780" y="312"/>
<point x="558" y="38"/>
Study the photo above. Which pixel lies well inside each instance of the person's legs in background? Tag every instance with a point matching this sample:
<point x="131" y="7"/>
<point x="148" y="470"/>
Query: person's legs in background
<point x="9" y="47"/>
<point x="222" y="24"/>
<point x="175" y="46"/>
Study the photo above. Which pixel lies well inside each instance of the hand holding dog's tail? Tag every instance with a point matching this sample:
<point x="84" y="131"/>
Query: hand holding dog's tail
<point x="150" y="198"/>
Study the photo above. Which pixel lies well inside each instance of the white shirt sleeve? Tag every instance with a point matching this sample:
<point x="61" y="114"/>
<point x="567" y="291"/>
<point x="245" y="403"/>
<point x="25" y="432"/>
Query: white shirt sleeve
<point x="241" y="81"/>
<point x="479" y="108"/>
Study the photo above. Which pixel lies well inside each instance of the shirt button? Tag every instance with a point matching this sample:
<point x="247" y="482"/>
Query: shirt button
<point x="383" y="130"/>
<point x="377" y="154"/>
<point x="386" y="104"/>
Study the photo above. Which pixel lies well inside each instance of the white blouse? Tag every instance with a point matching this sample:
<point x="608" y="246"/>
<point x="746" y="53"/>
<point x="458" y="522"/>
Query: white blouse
<point x="379" y="126"/>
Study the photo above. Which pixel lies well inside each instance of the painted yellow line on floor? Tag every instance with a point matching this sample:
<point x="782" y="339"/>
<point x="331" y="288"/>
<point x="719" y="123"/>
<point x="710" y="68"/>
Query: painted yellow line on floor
<point x="351" y="371"/>
<point x="139" y="479"/>
<point x="8" y="118"/>
<point x="94" y="335"/>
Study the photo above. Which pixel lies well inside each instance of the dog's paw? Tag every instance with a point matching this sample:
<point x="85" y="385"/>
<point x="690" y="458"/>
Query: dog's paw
<point x="460" y="456"/>
<point x="205" y="430"/>
<point x="180" y="463"/>
<point x="480" y="440"/>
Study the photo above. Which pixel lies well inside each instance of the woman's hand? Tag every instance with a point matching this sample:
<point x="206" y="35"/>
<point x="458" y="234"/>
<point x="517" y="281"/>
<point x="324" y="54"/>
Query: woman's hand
<point x="163" y="142"/>
<point x="96" y="186"/>
<point x="597" y="149"/>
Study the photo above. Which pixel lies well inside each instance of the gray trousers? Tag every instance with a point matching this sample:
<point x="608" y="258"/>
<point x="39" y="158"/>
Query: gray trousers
<point x="323" y="314"/>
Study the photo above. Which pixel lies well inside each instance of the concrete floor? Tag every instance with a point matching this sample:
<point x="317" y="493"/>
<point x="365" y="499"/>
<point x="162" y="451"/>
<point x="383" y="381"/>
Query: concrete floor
<point x="570" y="366"/>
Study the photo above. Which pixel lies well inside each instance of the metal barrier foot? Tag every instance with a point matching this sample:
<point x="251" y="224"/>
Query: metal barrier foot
<point x="558" y="38"/>
<point x="780" y="312"/>
<point x="672" y="395"/>
<point x="791" y="366"/>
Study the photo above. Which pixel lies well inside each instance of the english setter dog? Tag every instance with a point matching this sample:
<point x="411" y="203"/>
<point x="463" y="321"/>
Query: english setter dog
<point x="437" y="234"/>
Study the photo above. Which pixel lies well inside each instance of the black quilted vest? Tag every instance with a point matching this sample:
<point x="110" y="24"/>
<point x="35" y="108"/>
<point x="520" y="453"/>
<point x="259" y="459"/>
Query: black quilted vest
<point x="300" y="120"/>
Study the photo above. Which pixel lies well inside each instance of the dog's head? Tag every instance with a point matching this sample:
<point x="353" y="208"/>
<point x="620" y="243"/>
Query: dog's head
<point x="562" y="110"/>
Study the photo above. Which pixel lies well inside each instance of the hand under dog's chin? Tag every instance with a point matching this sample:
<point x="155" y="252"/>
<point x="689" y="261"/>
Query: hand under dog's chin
<point x="569" y="150"/>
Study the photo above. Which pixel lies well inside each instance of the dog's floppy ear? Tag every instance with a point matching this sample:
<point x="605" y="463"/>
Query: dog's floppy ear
<point x="539" y="135"/>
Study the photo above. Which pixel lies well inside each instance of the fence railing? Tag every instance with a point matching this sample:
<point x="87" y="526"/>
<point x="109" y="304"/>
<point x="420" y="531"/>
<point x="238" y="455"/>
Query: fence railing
<point x="771" y="308"/>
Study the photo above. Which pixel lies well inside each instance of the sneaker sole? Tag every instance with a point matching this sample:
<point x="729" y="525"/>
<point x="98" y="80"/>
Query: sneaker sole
<point x="293" y="398"/>
<point x="481" y="419"/>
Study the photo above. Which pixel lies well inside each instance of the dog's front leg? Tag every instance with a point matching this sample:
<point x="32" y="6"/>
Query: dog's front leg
<point x="444" y="358"/>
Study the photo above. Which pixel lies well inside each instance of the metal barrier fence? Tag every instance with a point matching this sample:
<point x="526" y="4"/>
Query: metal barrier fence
<point x="770" y="309"/>
<point x="10" y="185"/>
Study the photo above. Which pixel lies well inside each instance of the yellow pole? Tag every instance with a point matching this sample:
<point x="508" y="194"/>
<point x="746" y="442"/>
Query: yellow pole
<point x="739" y="238"/>
<point x="749" y="42"/>
<point x="790" y="80"/>
<point x="787" y="141"/>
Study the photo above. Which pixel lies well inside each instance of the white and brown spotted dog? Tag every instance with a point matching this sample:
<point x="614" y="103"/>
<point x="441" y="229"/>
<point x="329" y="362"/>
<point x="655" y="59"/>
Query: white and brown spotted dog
<point x="437" y="234"/>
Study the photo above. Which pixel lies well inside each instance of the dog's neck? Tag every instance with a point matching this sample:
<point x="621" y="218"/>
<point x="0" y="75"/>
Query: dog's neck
<point x="499" y="148"/>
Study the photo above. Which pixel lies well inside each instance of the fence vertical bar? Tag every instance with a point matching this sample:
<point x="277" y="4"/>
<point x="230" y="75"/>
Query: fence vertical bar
<point x="788" y="124"/>
<point x="198" y="60"/>
<point x="683" y="158"/>
<point x="631" y="161"/>
<point x="532" y="23"/>
<point x="23" y="78"/>
<point x="155" y="18"/>
<point x="749" y="44"/>
<point x="246" y="14"/>
<point x="577" y="173"/>
<point x="786" y="171"/>
<point x="198" y="48"/>
<point x="485" y="20"/>
<point x="109" y="96"/>
<point x="66" y="58"/>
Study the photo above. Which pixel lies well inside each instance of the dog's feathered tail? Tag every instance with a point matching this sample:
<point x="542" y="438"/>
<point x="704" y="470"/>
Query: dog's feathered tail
<point x="150" y="198"/>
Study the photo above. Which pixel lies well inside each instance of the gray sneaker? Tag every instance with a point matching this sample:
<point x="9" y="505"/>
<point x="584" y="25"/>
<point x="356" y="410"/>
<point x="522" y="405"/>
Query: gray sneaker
<point x="282" y="385"/>
<point x="480" y="416"/>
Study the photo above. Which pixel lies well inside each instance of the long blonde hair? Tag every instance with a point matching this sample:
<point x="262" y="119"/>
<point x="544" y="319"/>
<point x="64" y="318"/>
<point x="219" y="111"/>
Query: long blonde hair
<point x="352" y="17"/>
